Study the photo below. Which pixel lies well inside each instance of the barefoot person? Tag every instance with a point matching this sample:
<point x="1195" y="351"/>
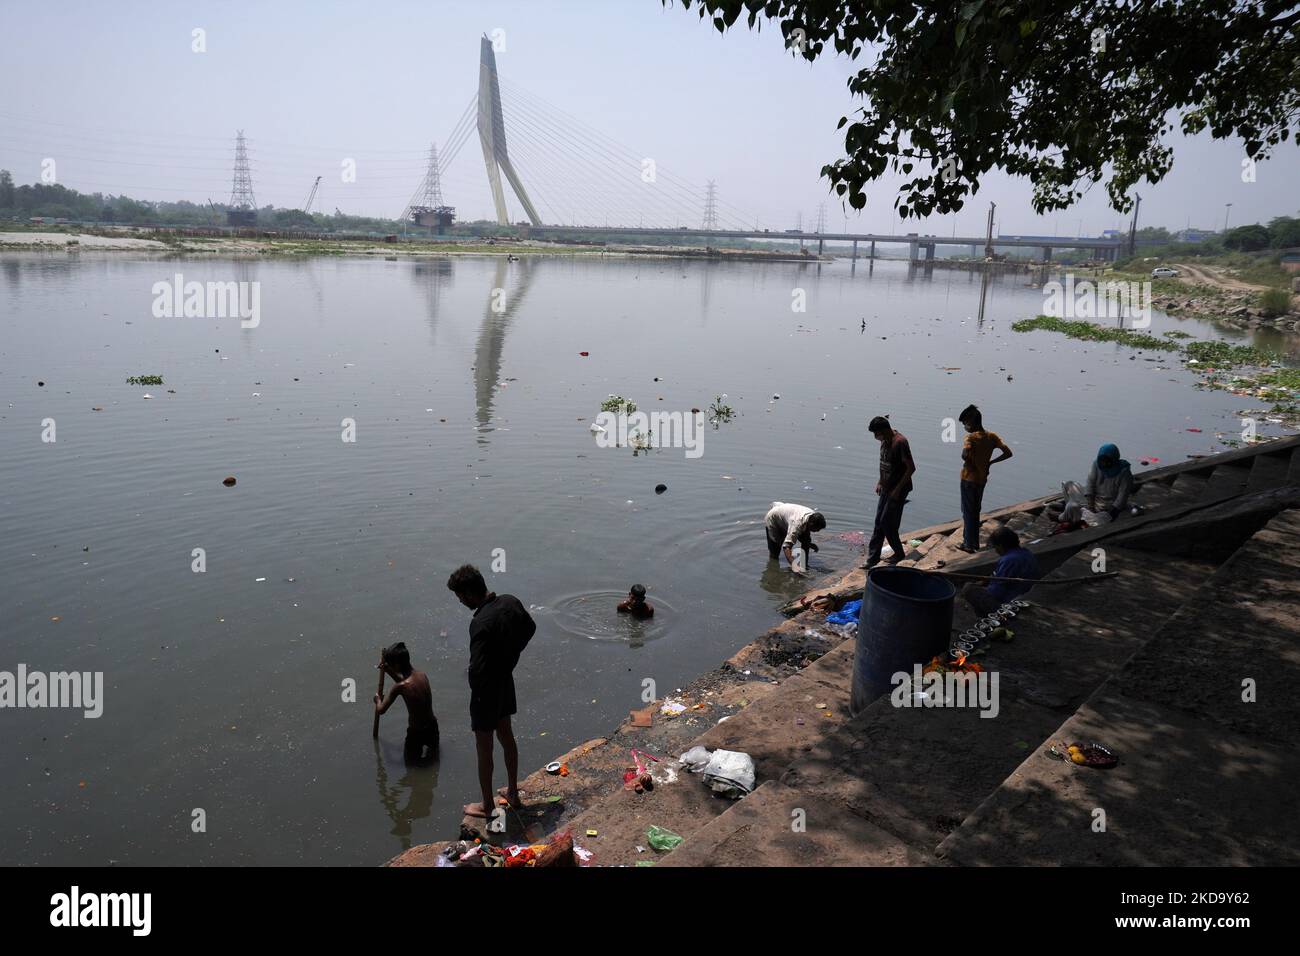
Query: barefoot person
<point x="498" y="633"/>
<point x="413" y="687"/>
<point x="977" y="458"/>
<point x="896" y="470"/>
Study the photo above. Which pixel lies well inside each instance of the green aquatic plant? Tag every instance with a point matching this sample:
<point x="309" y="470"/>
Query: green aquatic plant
<point x="1091" y="332"/>
<point x="145" y="380"/>
<point x="720" y="412"/>
<point x="1175" y="334"/>
<point x="617" y="403"/>
<point x="1225" y="354"/>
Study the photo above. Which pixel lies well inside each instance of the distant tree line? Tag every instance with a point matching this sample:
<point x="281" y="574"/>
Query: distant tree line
<point x="53" y="201"/>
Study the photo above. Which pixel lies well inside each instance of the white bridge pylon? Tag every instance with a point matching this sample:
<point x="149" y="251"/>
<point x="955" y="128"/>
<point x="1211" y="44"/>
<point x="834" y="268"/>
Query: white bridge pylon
<point x="492" y="134"/>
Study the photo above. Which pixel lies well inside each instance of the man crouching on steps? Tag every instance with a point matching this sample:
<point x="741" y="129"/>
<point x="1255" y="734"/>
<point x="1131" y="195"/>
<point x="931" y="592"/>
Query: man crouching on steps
<point x="498" y="632"/>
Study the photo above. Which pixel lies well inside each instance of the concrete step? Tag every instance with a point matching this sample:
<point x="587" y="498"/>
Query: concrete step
<point x="1182" y="795"/>
<point x="1190" y="486"/>
<point x="1019" y="522"/>
<point x="1293" y="470"/>
<point x="1228" y="479"/>
<point x="773" y="730"/>
<point x="917" y="773"/>
<point x="1155" y="494"/>
<point x="1268" y="471"/>
<point x="1205" y="776"/>
<point x="777" y="825"/>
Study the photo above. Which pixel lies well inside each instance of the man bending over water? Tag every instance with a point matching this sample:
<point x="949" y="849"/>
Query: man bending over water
<point x="413" y="687"/>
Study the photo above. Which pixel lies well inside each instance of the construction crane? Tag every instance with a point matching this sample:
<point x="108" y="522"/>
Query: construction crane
<point x="311" y="196"/>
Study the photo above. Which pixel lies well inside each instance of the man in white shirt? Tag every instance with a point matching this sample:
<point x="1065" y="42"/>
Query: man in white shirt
<point x="787" y="523"/>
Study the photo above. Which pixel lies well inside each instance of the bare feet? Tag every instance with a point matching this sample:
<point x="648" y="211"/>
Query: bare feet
<point x="505" y="799"/>
<point x="475" y="810"/>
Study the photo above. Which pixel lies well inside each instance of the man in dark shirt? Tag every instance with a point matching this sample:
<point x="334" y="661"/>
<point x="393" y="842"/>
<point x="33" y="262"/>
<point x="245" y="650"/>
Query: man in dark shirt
<point x="498" y="633"/>
<point x="896" y="470"/>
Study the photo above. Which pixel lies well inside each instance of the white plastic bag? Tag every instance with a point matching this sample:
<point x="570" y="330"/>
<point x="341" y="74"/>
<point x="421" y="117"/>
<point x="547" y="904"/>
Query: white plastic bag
<point x="730" y="773"/>
<point x="695" y="759"/>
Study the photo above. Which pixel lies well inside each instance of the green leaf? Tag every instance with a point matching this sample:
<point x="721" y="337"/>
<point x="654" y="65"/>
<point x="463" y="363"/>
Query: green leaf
<point x="1027" y="27"/>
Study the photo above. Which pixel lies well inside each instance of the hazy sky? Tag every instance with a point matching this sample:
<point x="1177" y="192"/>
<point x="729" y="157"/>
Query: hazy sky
<point x="114" y="93"/>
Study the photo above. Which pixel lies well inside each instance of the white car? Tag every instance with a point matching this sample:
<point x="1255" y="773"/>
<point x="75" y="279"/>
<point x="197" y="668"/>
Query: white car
<point x="1163" y="272"/>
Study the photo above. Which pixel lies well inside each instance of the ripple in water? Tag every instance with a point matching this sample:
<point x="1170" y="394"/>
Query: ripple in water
<point x="592" y="615"/>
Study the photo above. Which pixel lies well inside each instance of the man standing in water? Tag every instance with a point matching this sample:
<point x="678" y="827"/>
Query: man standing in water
<point x="498" y="632"/>
<point x="413" y="687"/>
<point x="896" y="470"/>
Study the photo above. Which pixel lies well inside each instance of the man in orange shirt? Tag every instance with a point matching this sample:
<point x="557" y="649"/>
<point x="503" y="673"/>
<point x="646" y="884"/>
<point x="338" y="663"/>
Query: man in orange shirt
<point x="977" y="457"/>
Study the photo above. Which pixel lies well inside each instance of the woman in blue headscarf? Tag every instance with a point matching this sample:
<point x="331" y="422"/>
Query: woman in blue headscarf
<point x="1110" y="481"/>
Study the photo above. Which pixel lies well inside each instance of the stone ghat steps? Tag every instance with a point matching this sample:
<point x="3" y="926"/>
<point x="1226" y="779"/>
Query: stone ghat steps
<point x="888" y="786"/>
<point x="1202" y="481"/>
<point x="774" y="729"/>
<point x="1166" y="493"/>
<point x="1205" y="777"/>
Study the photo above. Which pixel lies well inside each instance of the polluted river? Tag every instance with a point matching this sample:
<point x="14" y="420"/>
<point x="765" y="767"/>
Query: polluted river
<point x="386" y="420"/>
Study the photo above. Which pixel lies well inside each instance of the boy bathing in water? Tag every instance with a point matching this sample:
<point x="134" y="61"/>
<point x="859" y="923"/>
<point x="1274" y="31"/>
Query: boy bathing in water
<point x="413" y="687"/>
<point x="636" y="604"/>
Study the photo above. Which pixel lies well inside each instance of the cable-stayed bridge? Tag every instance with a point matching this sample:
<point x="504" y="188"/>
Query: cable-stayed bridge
<point x="569" y="178"/>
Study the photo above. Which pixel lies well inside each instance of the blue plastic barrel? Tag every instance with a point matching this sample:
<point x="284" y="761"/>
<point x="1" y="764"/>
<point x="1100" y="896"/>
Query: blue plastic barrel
<point x="906" y="619"/>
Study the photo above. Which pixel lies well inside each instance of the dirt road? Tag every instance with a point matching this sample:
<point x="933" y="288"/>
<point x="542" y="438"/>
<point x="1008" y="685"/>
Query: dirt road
<point x="1211" y="275"/>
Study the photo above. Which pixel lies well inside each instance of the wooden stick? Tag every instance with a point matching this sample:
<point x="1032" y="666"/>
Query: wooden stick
<point x="375" y="732"/>
<point x="984" y="577"/>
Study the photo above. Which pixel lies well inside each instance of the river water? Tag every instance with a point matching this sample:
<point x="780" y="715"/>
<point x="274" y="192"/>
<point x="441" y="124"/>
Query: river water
<point x="224" y="690"/>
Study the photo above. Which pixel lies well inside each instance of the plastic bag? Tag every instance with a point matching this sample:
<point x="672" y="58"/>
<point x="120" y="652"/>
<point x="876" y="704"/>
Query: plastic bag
<point x="1074" y="502"/>
<point x="662" y="839"/>
<point x="848" y="614"/>
<point x="730" y="773"/>
<point x="696" y="759"/>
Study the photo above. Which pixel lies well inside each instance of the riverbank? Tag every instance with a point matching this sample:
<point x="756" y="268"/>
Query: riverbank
<point x="1201" y="293"/>
<point x="885" y="788"/>
<point x="179" y="244"/>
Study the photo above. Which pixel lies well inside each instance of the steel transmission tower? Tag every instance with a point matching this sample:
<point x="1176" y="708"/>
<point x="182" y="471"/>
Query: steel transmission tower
<point x="821" y="219"/>
<point x="711" y="206"/>
<point x="243" y="207"/>
<point x="426" y="207"/>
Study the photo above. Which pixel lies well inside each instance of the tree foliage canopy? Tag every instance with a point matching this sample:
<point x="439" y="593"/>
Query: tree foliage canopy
<point x="1064" y="92"/>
